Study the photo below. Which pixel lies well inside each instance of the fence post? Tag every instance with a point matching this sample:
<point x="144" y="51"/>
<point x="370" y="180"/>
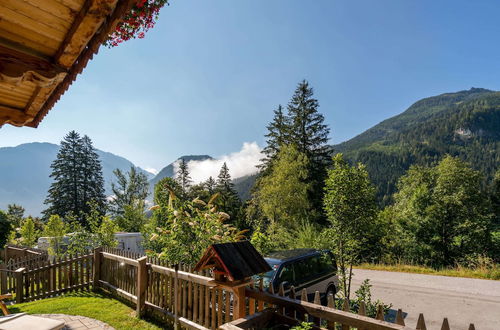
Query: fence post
<point x="176" y="297"/>
<point x="142" y="282"/>
<point x="239" y="302"/>
<point x="97" y="268"/>
<point x="19" y="285"/>
<point x="3" y="279"/>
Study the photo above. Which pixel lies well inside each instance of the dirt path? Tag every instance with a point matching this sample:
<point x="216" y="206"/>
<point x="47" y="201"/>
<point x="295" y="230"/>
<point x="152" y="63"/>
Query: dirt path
<point x="461" y="300"/>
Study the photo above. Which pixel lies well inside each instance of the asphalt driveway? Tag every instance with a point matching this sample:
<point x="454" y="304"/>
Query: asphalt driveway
<point x="461" y="300"/>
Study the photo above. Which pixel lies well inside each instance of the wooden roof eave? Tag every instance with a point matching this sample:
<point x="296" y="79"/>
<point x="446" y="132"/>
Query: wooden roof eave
<point x="53" y="75"/>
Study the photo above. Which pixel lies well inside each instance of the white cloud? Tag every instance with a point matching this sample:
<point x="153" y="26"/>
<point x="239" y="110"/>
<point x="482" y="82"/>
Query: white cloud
<point x="151" y="170"/>
<point x="240" y="163"/>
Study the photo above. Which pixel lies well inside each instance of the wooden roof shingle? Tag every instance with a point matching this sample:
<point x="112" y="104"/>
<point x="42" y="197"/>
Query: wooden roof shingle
<point x="237" y="260"/>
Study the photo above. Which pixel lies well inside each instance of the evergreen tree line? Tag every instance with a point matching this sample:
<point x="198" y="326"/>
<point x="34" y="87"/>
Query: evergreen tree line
<point x="440" y="215"/>
<point x="305" y="196"/>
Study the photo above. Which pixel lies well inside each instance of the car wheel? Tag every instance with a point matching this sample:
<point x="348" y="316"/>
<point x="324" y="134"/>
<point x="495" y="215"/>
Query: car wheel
<point x="330" y="291"/>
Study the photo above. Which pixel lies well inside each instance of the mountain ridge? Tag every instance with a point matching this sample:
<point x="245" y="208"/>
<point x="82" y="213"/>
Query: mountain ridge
<point x="465" y="124"/>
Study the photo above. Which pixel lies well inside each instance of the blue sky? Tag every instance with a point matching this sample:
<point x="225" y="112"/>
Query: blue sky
<point x="207" y="78"/>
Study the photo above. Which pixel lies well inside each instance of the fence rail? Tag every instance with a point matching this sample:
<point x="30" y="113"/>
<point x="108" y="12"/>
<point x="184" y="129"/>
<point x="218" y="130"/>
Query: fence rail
<point x="191" y="300"/>
<point x="66" y="274"/>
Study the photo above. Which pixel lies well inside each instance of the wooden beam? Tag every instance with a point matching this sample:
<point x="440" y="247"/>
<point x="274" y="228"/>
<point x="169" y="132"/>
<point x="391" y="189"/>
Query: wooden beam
<point x="17" y="67"/>
<point x="325" y="313"/>
<point x="76" y="24"/>
<point x="93" y="45"/>
<point x="13" y="116"/>
<point x="85" y="28"/>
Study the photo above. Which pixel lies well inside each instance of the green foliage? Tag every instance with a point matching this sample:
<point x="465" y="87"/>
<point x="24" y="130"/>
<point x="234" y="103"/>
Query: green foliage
<point x="278" y="131"/>
<point x="29" y="234"/>
<point x="228" y="200"/>
<point x="133" y="218"/>
<point x="363" y="294"/>
<point x="5" y="228"/>
<point x="187" y="230"/>
<point x="465" y="124"/>
<point x="303" y="127"/>
<point x="183" y="179"/>
<point x="303" y="326"/>
<point x="16" y="214"/>
<point x="127" y="205"/>
<point x="55" y="229"/>
<point x="99" y="232"/>
<point x="441" y="213"/>
<point x="350" y="206"/>
<point x="77" y="179"/>
<point x="283" y="194"/>
<point x="274" y="238"/>
<point x="162" y="198"/>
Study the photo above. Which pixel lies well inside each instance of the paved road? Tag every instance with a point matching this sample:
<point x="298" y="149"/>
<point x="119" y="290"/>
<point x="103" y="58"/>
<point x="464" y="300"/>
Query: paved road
<point x="461" y="300"/>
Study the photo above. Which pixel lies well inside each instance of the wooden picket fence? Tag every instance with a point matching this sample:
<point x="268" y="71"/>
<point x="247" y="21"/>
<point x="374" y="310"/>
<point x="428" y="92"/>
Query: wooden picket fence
<point x="16" y="252"/>
<point x="7" y="269"/>
<point x="190" y="299"/>
<point x="66" y="274"/>
<point x="185" y="298"/>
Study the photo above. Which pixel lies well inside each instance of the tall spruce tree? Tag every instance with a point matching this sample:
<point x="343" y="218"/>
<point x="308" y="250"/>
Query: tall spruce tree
<point x="229" y="200"/>
<point x="307" y="129"/>
<point x="278" y="134"/>
<point x="77" y="179"/>
<point x="310" y="136"/>
<point x="210" y="186"/>
<point x="183" y="178"/>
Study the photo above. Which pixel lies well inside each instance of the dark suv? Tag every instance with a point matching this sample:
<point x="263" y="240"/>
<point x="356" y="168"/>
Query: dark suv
<point x="303" y="268"/>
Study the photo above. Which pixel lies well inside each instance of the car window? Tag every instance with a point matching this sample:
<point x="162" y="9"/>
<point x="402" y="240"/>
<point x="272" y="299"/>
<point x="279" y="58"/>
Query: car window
<point x="325" y="263"/>
<point x="286" y="274"/>
<point x="304" y="269"/>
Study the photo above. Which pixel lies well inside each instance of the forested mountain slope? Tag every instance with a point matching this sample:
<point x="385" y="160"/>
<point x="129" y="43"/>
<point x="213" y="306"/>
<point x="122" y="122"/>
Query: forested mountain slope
<point x="464" y="124"/>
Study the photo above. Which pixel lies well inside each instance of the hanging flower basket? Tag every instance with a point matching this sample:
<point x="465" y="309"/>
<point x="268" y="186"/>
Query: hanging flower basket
<point x="136" y="22"/>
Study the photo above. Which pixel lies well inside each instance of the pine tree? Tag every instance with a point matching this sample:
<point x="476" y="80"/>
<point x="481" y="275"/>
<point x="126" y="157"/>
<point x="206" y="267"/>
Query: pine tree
<point x="211" y="186"/>
<point x="309" y="135"/>
<point x="307" y="129"/>
<point x="278" y="135"/>
<point x="183" y="177"/>
<point x="77" y="179"/>
<point x="228" y="200"/>
<point x="93" y="182"/>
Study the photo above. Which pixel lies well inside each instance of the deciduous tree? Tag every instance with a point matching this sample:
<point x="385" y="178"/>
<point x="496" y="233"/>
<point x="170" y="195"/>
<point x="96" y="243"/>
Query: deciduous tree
<point x="351" y="209"/>
<point x="283" y="193"/>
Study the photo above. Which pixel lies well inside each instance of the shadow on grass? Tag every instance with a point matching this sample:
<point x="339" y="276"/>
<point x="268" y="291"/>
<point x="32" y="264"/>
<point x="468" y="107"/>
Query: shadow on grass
<point x="101" y="295"/>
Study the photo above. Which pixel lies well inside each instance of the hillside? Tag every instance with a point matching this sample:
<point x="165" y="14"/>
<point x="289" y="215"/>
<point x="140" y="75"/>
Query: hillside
<point x="25" y="170"/>
<point x="464" y="124"/>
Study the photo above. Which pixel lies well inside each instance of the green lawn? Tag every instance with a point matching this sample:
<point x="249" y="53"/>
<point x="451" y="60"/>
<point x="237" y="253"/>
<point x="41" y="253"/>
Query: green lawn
<point x="94" y="305"/>
<point x="491" y="273"/>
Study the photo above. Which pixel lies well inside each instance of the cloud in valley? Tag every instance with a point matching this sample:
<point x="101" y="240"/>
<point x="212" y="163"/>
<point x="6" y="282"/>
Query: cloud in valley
<point x="240" y="163"/>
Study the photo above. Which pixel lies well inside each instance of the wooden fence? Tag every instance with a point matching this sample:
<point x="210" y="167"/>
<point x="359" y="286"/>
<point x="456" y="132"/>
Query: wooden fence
<point x="187" y="299"/>
<point x="192" y="300"/>
<point x="28" y="261"/>
<point x="15" y="252"/>
<point x="67" y="274"/>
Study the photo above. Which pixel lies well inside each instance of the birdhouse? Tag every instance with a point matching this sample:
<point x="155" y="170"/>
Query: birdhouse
<point x="233" y="262"/>
<point x="233" y="265"/>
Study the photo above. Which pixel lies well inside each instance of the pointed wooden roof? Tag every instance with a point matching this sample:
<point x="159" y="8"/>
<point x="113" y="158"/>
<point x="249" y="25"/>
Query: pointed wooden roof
<point x="237" y="261"/>
<point x="44" y="45"/>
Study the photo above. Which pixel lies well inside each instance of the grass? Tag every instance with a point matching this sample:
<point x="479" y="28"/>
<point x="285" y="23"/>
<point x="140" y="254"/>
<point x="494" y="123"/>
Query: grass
<point x="94" y="305"/>
<point x="487" y="273"/>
